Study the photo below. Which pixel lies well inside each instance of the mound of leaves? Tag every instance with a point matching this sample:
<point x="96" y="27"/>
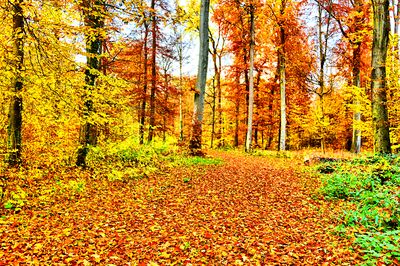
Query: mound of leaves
<point x="371" y="187"/>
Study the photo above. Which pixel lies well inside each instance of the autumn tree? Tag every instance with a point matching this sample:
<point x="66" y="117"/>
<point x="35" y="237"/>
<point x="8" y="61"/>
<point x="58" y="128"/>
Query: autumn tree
<point x="195" y="142"/>
<point x="217" y="51"/>
<point x="14" y="140"/>
<point x="352" y="20"/>
<point x="249" y="136"/>
<point x="144" y="21"/>
<point x="178" y="23"/>
<point x="234" y="20"/>
<point x="282" y="74"/>
<point x="153" y="70"/>
<point x="94" y="16"/>
<point x="381" y="30"/>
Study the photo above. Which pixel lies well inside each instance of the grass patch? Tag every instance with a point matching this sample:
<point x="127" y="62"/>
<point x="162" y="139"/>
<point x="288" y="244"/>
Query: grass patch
<point x="372" y="187"/>
<point x="193" y="161"/>
<point x="273" y="154"/>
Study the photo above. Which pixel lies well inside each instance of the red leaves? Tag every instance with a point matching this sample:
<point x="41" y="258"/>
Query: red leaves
<point x="207" y="235"/>
<point x="251" y="211"/>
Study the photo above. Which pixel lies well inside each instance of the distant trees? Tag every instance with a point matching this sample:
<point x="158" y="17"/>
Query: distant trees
<point x="101" y="71"/>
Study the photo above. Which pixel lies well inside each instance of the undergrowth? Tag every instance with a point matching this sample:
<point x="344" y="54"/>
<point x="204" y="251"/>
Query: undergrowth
<point x="371" y="186"/>
<point x="122" y="162"/>
<point x="129" y="159"/>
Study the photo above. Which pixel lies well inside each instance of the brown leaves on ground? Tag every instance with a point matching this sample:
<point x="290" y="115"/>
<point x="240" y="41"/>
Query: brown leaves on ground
<point x="248" y="211"/>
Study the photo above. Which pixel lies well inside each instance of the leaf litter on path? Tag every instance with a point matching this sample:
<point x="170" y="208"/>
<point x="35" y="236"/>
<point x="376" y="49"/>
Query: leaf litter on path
<point x="247" y="211"/>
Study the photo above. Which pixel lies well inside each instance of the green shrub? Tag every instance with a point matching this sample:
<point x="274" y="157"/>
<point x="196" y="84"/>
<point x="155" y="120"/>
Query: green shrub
<point x="377" y="246"/>
<point x="371" y="184"/>
<point x="340" y="185"/>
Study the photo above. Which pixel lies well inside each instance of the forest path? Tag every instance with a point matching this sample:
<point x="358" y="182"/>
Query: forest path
<point x="247" y="211"/>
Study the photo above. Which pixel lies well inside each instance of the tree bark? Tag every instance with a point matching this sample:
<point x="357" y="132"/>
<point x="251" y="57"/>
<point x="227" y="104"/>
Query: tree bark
<point x="145" y="80"/>
<point x="356" y="139"/>
<point x="282" y="85"/>
<point x="153" y="72"/>
<point x="378" y="76"/>
<point x="237" y="111"/>
<point x="93" y="12"/>
<point x="180" y="55"/>
<point x="220" y="131"/>
<point x="198" y="112"/>
<point x="165" y="114"/>
<point x="251" y="83"/>
<point x="14" y="130"/>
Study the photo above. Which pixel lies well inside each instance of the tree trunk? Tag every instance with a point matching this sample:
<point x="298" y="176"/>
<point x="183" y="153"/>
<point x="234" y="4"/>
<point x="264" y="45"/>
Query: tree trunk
<point x="166" y="85"/>
<point x="213" y="112"/>
<point x="144" y="91"/>
<point x="282" y="85"/>
<point x="219" y="135"/>
<point x="180" y="54"/>
<point x="356" y="139"/>
<point x="153" y="72"/>
<point x="93" y="12"/>
<point x="14" y="130"/>
<point x="195" y="142"/>
<point x="378" y="76"/>
<point x="237" y="111"/>
<point x="251" y="83"/>
<point x="213" y="53"/>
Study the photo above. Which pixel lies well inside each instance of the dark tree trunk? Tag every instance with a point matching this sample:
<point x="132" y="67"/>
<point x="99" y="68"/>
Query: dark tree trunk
<point x="144" y="92"/>
<point x="378" y="76"/>
<point x="153" y="72"/>
<point x="93" y="12"/>
<point x="213" y="112"/>
<point x="14" y="134"/>
<point x="237" y="112"/>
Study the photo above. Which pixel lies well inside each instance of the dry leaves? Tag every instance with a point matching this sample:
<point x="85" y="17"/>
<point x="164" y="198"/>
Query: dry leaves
<point x="248" y="211"/>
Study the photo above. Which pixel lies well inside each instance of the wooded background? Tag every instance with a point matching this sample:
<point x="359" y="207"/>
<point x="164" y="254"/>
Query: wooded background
<point x="81" y="74"/>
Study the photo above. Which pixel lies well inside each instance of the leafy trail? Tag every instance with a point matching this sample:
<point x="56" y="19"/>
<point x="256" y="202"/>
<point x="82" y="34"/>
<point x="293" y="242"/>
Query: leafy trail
<point x="247" y="211"/>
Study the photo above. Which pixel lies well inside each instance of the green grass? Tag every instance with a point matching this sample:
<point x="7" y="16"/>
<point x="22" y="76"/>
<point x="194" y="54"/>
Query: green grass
<point x="371" y="186"/>
<point x="130" y="160"/>
<point x="193" y="161"/>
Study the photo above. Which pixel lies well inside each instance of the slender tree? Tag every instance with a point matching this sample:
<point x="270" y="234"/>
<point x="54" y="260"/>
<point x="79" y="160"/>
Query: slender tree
<point x="145" y="81"/>
<point x="93" y="12"/>
<point x="14" y="136"/>
<point x="195" y="142"/>
<point x="355" y="35"/>
<point x="251" y="82"/>
<point x="282" y="77"/>
<point x="153" y="71"/>
<point x="378" y="76"/>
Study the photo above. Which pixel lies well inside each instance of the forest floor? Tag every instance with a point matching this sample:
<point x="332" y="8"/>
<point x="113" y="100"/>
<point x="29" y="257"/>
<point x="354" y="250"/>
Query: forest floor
<point x="246" y="211"/>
